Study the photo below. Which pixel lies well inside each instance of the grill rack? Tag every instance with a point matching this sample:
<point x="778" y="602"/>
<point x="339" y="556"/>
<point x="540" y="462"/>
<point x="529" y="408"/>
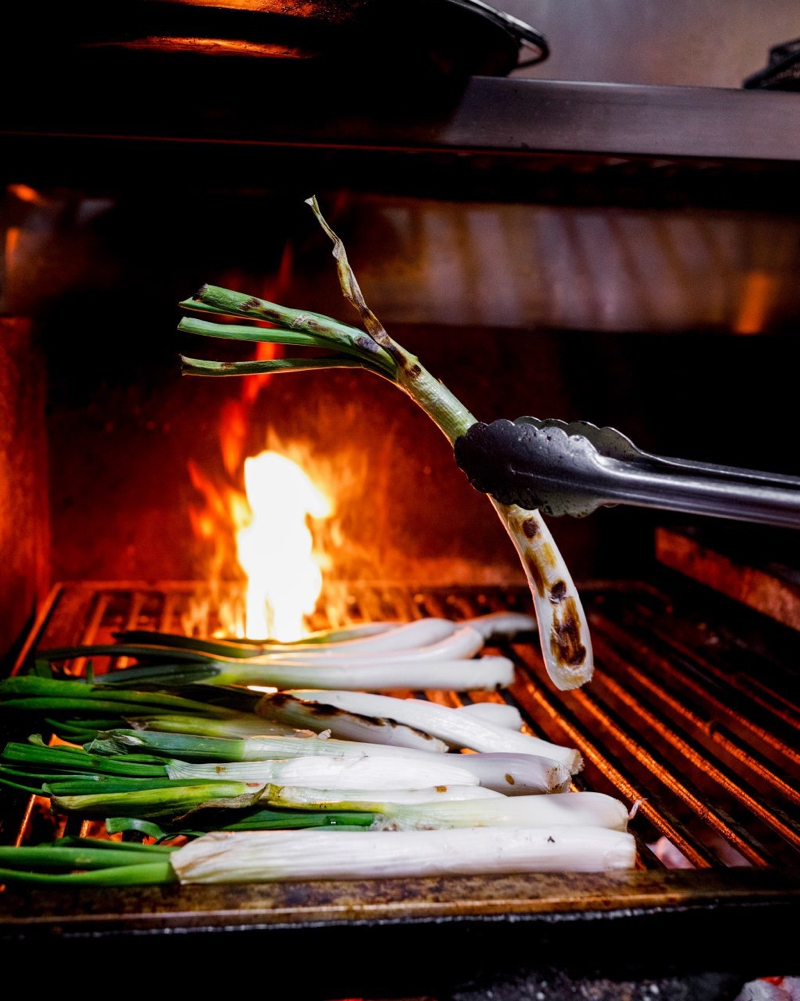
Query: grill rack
<point x="687" y="717"/>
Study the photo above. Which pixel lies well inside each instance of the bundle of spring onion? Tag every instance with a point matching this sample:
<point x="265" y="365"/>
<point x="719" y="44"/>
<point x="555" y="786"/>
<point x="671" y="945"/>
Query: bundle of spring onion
<point x="509" y="773"/>
<point x="156" y="755"/>
<point x="217" y="789"/>
<point x="239" y="765"/>
<point x="147" y="774"/>
<point x="564" y="635"/>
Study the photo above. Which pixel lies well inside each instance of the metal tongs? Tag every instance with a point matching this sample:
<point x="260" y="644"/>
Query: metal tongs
<point x="575" y="468"/>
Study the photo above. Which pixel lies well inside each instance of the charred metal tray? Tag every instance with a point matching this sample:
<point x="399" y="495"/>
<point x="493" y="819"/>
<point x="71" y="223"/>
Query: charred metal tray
<point x="694" y="711"/>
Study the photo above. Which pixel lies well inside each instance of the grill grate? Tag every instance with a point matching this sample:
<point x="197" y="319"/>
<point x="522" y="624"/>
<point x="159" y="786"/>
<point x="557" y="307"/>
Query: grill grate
<point x="684" y="718"/>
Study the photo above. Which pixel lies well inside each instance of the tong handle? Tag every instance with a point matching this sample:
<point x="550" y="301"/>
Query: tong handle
<point x="575" y="468"/>
<point x="693" y="491"/>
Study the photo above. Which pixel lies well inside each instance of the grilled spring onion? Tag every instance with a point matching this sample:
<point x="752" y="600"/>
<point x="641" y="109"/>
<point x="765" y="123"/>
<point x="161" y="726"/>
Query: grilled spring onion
<point x="457" y="642"/>
<point x="563" y="630"/>
<point x="429" y="638"/>
<point x="358" y="674"/>
<point x="234" y="726"/>
<point x="442" y="662"/>
<point x="87" y="862"/>
<point x="196" y="803"/>
<point x="284" y="708"/>
<point x="259" y="818"/>
<point x="457" y="729"/>
<point x="367" y="639"/>
<point x="572" y="809"/>
<point x="189" y="747"/>
<point x="378" y="637"/>
<point x="512" y="774"/>
<point x="242" y="725"/>
<point x="354" y="772"/>
<point x="275" y="855"/>
<point x="428" y="653"/>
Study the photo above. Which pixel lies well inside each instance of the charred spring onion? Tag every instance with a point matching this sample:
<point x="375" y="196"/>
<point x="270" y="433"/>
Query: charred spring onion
<point x="564" y="636"/>
<point x="358" y="674"/>
<point x="455" y="728"/>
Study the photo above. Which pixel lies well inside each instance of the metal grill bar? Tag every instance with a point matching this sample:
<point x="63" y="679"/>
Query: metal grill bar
<point x="732" y="783"/>
<point x="702" y="692"/>
<point x="532" y="698"/>
<point x="743" y="691"/>
<point x="666" y="771"/>
<point x="686" y="773"/>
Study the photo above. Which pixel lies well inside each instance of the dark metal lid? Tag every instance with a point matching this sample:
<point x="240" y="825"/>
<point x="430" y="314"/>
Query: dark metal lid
<point x="443" y="37"/>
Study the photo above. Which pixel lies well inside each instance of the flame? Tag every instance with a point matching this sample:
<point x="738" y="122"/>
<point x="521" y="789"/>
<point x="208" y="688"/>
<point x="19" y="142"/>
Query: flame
<point x="275" y="546"/>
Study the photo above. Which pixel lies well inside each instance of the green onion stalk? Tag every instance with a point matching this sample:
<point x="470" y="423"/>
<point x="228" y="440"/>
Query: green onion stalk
<point x="77" y="710"/>
<point x="563" y="630"/>
<point x="258" y="818"/>
<point x="87" y="862"/>
<point x="358" y="674"/>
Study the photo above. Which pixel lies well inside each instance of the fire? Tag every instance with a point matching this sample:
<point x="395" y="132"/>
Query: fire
<point x="275" y="546"/>
<point x="267" y="530"/>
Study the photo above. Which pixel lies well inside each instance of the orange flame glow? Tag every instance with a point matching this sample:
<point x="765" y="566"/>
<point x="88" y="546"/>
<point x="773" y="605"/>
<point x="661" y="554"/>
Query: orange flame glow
<point x="275" y="547"/>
